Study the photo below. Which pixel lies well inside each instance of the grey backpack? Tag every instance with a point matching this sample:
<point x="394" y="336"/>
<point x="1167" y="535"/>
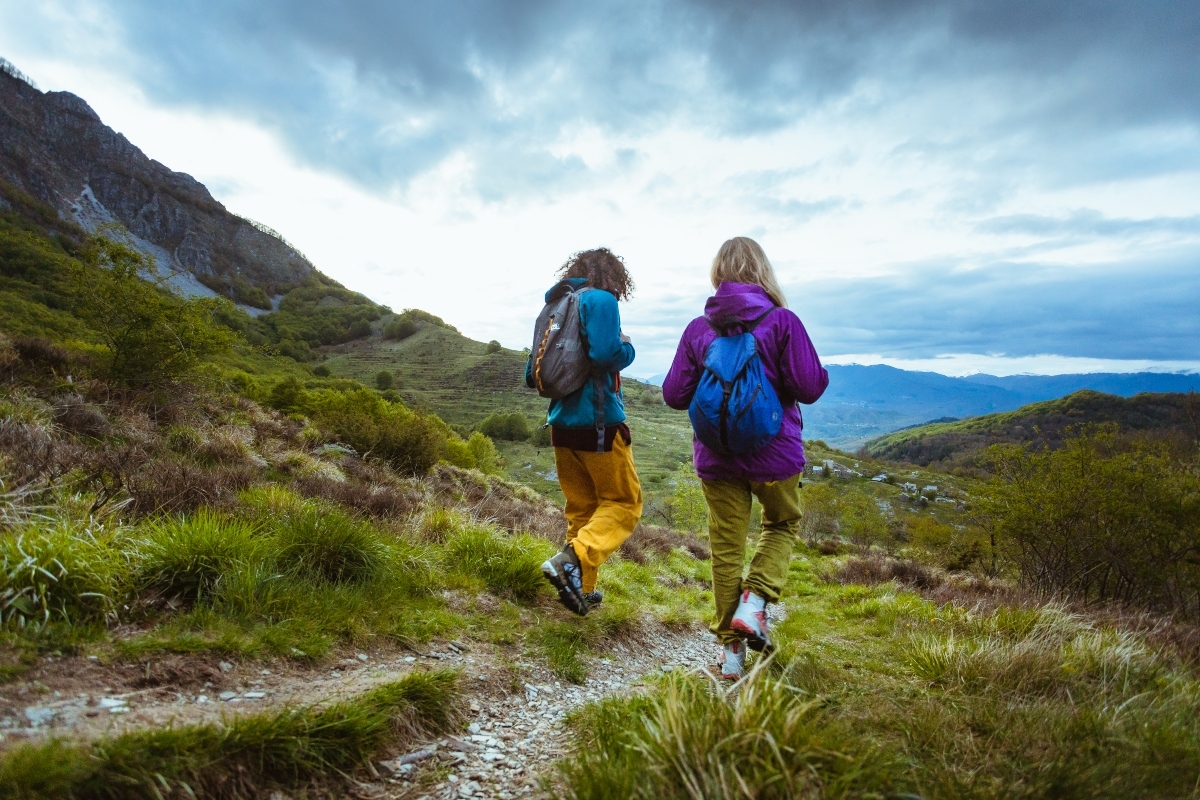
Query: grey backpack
<point x="558" y="360"/>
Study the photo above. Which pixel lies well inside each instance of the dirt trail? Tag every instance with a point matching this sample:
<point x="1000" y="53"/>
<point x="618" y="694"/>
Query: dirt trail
<point x="515" y="707"/>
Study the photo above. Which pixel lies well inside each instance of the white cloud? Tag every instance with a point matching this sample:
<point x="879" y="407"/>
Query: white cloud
<point x="869" y="185"/>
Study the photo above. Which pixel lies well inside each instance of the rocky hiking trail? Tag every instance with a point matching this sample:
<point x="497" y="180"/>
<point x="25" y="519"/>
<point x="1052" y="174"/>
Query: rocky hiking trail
<point x="513" y="709"/>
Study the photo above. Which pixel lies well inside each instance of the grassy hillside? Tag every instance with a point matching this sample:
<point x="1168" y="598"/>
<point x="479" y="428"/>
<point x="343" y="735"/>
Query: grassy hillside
<point x="948" y="446"/>
<point x="439" y="369"/>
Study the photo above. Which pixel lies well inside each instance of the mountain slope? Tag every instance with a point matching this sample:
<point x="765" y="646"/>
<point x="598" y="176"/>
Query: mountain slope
<point x="950" y="445"/>
<point x="54" y="147"/>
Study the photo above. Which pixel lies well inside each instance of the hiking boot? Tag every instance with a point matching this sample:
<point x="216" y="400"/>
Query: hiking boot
<point x="564" y="571"/>
<point x="733" y="661"/>
<point x="593" y="598"/>
<point x="750" y="622"/>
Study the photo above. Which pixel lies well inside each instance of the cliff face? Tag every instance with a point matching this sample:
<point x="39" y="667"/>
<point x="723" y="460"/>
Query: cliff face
<point x="55" y="147"/>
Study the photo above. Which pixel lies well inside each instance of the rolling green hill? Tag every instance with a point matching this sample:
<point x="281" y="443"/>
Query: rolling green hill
<point x="957" y="445"/>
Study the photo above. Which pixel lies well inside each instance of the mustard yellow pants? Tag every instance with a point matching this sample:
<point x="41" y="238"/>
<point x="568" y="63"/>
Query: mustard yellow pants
<point x="604" y="502"/>
<point x="729" y="525"/>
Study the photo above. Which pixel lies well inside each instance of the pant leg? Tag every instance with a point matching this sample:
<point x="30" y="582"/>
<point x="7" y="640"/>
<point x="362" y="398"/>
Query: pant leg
<point x="618" y="507"/>
<point x="728" y="525"/>
<point x="781" y="526"/>
<point x="577" y="488"/>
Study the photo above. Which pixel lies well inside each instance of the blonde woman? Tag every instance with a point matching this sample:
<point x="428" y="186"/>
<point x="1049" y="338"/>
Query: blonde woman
<point x="748" y="299"/>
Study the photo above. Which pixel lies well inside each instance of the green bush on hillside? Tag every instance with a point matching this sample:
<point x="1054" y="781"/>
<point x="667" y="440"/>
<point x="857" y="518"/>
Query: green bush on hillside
<point x="507" y="427"/>
<point x="383" y="380"/>
<point x="1104" y="519"/>
<point x="492" y="347"/>
<point x="400" y="329"/>
<point x="153" y="338"/>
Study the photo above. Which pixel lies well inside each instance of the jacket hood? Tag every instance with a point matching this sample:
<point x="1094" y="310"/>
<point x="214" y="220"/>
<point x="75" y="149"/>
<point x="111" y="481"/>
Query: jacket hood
<point x="556" y="291"/>
<point x="737" y="301"/>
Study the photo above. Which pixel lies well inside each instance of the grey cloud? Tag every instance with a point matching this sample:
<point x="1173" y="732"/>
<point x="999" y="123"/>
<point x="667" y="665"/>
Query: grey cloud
<point x="383" y="90"/>
<point x="1088" y="224"/>
<point x="1133" y="310"/>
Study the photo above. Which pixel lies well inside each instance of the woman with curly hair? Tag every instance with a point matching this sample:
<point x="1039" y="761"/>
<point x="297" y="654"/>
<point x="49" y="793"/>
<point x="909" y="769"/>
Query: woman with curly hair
<point x="592" y="443"/>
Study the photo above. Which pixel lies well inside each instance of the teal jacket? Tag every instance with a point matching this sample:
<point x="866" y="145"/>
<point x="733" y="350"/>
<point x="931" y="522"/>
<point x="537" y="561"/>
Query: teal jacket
<point x="602" y="327"/>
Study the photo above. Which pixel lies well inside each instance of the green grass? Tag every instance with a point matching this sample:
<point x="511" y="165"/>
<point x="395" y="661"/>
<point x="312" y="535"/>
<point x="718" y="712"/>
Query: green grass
<point x="241" y="758"/>
<point x="877" y="692"/>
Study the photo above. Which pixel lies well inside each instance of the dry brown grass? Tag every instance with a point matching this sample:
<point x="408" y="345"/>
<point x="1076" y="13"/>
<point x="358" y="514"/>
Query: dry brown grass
<point x="380" y="501"/>
<point x="660" y="540"/>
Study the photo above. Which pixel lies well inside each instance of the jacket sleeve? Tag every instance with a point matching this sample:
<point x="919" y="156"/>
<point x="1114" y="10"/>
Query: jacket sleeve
<point x="803" y="376"/>
<point x="602" y="324"/>
<point x="684" y="375"/>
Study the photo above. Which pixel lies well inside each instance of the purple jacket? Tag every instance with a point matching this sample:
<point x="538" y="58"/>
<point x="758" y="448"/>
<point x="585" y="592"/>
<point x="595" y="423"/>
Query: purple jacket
<point x="789" y="361"/>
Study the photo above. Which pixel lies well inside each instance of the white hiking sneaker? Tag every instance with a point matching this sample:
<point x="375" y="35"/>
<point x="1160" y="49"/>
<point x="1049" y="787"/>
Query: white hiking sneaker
<point x="733" y="661"/>
<point x="750" y="622"/>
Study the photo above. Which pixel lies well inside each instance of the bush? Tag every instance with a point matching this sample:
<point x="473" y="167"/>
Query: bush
<point x="511" y="427"/>
<point x="152" y="336"/>
<point x="187" y="557"/>
<point x="59" y="574"/>
<point x="400" y="329"/>
<point x="492" y="347"/>
<point x="409" y="441"/>
<point x="322" y="371"/>
<point x="328" y="545"/>
<point x="1103" y="519"/>
<point x="383" y="380"/>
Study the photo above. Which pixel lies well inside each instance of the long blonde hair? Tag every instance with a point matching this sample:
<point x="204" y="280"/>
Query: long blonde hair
<point x="742" y="260"/>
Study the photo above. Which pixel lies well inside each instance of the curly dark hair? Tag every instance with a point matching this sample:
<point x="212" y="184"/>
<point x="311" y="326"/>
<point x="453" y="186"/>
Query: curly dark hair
<point x="602" y="269"/>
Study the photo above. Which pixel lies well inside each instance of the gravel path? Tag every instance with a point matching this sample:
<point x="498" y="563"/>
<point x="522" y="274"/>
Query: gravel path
<point x="513" y="739"/>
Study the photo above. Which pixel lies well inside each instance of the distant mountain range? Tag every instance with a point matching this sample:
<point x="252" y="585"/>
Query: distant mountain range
<point x="863" y="402"/>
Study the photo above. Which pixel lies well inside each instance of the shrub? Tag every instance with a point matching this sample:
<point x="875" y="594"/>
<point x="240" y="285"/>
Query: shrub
<point x="1103" y="519"/>
<point x="328" y="545"/>
<point x="383" y="380"/>
<point x="506" y="565"/>
<point x="59" y="573"/>
<point x="152" y="336"/>
<point x="492" y="347"/>
<point x="187" y="556"/>
<point x="322" y="371"/>
<point x="400" y="329"/>
<point x="512" y="427"/>
<point x="409" y="441"/>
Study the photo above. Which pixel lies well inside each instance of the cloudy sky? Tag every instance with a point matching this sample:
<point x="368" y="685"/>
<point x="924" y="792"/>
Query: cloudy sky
<point x="997" y="186"/>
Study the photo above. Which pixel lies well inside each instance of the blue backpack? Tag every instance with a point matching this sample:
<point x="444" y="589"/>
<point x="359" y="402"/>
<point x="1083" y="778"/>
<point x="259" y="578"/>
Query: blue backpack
<point x="735" y="409"/>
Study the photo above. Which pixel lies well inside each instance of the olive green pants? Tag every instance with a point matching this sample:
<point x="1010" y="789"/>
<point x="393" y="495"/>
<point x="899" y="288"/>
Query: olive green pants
<point x="728" y="526"/>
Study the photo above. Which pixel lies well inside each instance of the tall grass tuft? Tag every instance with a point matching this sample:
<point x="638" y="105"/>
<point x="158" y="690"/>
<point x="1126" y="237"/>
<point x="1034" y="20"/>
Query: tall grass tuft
<point x="188" y="556"/>
<point x="328" y="545"/>
<point x="59" y="572"/>
<point x="506" y="564"/>
<point x="242" y="758"/>
<point x="688" y="741"/>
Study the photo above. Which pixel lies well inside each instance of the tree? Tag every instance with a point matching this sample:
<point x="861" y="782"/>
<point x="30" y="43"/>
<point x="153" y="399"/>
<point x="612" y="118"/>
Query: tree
<point x="492" y="347"/>
<point x="153" y="337"/>
<point x="383" y="380"/>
